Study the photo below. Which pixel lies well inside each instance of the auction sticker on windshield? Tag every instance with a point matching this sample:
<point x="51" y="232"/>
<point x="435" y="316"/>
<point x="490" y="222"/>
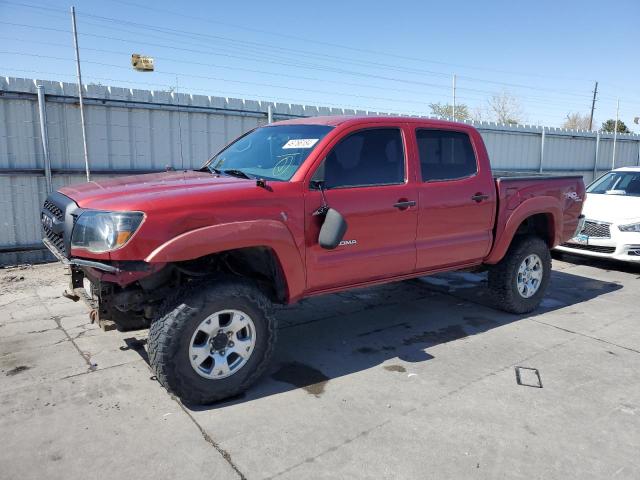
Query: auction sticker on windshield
<point x="301" y="143"/>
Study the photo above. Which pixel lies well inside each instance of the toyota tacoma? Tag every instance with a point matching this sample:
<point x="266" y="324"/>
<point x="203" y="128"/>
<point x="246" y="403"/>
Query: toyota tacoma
<point x="294" y="209"/>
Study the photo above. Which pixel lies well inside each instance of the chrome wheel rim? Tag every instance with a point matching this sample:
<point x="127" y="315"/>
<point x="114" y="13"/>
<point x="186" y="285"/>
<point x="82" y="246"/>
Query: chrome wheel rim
<point x="222" y="344"/>
<point x="529" y="276"/>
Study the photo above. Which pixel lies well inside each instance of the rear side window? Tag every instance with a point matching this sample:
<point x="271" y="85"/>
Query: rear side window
<point x="445" y="155"/>
<point x="364" y="158"/>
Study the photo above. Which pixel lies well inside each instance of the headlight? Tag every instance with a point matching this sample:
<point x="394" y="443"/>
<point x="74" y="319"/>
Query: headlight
<point x="632" y="227"/>
<point x="104" y="231"/>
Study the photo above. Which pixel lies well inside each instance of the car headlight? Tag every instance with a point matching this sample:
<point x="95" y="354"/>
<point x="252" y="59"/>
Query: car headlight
<point x="632" y="227"/>
<point x="99" y="231"/>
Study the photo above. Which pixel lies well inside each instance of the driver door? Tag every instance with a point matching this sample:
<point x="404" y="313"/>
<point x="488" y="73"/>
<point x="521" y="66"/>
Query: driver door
<point x="365" y="179"/>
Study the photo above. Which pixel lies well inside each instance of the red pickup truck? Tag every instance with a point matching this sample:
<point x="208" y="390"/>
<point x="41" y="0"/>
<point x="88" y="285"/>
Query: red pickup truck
<point x="293" y="209"/>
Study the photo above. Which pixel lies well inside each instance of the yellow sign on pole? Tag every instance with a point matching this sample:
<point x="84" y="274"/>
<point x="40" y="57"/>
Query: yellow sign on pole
<point x="142" y="63"/>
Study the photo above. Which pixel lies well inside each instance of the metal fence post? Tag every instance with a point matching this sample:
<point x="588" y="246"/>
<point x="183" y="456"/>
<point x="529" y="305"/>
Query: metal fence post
<point x="542" y="138"/>
<point x="595" y="163"/>
<point x="615" y="135"/>
<point x="44" y="135"/>
<point x="269" y="114"/>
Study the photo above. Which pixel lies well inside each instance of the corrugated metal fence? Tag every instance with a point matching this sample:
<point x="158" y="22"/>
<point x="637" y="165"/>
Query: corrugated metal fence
<point x="133" y="131"/>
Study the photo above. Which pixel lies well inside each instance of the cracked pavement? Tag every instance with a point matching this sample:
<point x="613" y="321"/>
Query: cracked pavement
<point x="408" y="380"/>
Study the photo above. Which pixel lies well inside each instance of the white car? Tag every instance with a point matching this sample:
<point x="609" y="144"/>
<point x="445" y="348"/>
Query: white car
<point x="612" y="218"/>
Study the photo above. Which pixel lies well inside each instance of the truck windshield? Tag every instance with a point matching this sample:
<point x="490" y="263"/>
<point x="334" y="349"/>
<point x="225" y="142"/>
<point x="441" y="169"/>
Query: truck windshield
<point x="617" y="183"/>
<point x="273" y="153"/>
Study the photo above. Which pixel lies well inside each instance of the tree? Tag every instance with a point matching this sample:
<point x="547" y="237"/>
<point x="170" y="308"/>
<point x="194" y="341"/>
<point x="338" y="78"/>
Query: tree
<point x="505" y="108"/>
<point x="446" y="110"/>
<point x="610" y="125"/>
<point x="576" y="121"/>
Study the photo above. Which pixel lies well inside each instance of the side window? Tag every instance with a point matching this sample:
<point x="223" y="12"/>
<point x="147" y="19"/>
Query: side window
<point x="445" y="155"/>
<point x="368" y="157"/>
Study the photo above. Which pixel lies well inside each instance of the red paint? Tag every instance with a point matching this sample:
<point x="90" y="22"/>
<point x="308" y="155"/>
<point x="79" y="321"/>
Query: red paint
<point x="191" y="214"/>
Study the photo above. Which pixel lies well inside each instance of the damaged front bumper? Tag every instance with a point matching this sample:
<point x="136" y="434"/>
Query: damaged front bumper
<point x="79" y="261"/>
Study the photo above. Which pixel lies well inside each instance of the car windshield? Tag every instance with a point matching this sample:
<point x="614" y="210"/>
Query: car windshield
<point x="617" y="183"/>
<point x="273" y="152"/>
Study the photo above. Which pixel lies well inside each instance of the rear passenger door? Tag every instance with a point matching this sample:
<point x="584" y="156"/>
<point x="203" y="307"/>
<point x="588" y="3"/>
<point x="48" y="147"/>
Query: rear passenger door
<point x="456" y="198"/>
<point x="366" y="180"/>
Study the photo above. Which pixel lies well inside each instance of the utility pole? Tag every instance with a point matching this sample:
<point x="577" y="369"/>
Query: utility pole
<point x="593" y="105"/>
<point x="454" y="97"/>
<point x="44" y="135"/>
<point x="84" y="129"/>
<point x="615" y="135"/>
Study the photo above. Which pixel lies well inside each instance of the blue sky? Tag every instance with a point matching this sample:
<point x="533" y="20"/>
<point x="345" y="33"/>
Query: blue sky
<point x="350" y="53"/>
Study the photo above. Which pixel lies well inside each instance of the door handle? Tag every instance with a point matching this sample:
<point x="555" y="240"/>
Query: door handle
<point x="404" y="204"/>
<point x="478" y="197"/>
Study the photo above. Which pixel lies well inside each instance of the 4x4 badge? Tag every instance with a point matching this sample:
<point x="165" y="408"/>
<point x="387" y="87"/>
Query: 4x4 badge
<point x="573" y="196"/>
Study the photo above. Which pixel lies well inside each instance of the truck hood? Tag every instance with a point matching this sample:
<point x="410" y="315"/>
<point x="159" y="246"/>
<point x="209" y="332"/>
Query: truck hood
<point x="612" y="208"/>
<point x="143" y="191"/>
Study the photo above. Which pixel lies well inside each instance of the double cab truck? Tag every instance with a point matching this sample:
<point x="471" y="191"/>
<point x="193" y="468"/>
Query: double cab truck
<point x="294" y="209"/>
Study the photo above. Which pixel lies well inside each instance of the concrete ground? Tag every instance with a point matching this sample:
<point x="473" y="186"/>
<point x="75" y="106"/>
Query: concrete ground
<point x="410" y="380"/>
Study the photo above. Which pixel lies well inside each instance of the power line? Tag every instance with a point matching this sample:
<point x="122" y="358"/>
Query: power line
<point x="190" y="34"/>
<point x="177" y="32"/>
<point x="442" y="87"/>
<point x="253" y="46"/>
<point x="208" y="77"/>
<point x="331" y="44"/>
<point x="262" y="46"/>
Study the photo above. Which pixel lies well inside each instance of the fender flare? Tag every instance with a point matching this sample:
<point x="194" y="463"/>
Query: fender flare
<point x="212" y="239"/>
<point x="532" y="206"/>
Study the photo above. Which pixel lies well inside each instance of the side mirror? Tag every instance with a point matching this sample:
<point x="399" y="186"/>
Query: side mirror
<point x="333" y="229"/>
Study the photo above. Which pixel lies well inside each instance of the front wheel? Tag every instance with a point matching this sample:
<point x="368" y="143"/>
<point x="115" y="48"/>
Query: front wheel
<point x="519" y="281"/>
<point x="215" y="343"/>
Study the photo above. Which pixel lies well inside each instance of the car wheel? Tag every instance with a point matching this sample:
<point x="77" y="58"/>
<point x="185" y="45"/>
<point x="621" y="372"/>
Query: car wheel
<point x="519" y="281"/>
<point x="214" y="343"/>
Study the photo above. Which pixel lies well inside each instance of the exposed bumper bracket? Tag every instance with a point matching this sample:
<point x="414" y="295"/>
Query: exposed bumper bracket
<point x="78" y="261"/>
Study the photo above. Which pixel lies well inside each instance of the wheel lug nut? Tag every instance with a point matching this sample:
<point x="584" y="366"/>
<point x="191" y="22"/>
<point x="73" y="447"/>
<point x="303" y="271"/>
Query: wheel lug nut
<point x="231" y="344"/>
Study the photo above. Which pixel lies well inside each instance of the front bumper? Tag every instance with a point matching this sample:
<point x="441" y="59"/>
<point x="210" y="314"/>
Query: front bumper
<point x="78" y="261"/>
<point x="611" y="243"/>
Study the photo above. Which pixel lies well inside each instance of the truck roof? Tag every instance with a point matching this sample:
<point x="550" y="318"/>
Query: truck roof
<point x="336" y="120"/>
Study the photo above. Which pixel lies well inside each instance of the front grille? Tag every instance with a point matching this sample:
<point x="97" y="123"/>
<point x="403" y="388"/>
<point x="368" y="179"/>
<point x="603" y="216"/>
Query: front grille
<point x="55" y="239"/>
<point x="590" y="248"/>
<point x="60" y="210"/>
<point x="596" y="229"/>
<point x="57" y="212"/>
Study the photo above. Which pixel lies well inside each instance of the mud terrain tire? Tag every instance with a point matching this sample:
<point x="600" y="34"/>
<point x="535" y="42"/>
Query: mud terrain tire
<point x="171" y="336"/>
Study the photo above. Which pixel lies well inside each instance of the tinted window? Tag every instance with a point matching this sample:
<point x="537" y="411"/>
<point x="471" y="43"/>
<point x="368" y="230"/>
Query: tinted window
<point x="368" y="157"/>
<point x="445" y="155"/>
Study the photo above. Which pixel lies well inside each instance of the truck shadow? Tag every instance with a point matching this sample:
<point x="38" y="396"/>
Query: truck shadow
<point x="392" y="326"/>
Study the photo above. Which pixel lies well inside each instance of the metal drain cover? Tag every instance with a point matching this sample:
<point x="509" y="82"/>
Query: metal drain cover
<point x="528" y="377"/>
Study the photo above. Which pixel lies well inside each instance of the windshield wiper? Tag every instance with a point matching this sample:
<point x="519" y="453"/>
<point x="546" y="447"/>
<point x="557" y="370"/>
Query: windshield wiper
<point x="236" y="173"/>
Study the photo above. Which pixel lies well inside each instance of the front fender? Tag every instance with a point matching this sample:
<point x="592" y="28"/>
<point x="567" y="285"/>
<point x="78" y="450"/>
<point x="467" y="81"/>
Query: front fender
<point x="229" y="236"/>
<point x="510" y="221"/>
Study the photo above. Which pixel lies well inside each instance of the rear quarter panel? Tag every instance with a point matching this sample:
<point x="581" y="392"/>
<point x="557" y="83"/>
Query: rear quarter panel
<point x="560" y="198"/>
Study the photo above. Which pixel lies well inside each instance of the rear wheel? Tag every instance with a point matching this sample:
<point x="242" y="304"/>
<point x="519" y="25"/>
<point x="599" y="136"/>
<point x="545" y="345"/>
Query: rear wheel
<point x="215" y="343"/>
<point x="519" y="281"/>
